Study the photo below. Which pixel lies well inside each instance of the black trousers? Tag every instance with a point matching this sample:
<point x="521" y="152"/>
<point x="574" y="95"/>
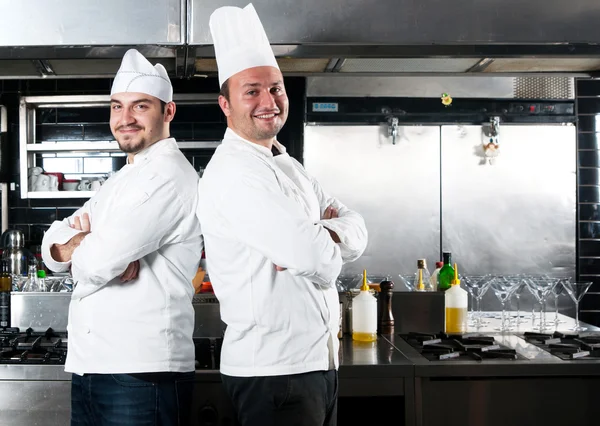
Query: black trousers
<point x="308" y="399"/>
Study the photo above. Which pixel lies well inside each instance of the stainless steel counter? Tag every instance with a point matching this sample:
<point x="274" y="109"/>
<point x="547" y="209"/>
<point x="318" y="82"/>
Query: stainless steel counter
<point x="425" y="393"/>
<point x="40" y="394"/>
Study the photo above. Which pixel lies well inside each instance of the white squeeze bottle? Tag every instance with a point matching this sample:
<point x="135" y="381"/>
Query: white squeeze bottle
<point x="457" y="301"/>
<point x="364" y="314"/>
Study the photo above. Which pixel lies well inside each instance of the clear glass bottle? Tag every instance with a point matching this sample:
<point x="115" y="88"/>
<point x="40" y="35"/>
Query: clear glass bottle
<point x="435" y="275"/>
<point x="31" y="284"/>
<point x="422" y="277"/>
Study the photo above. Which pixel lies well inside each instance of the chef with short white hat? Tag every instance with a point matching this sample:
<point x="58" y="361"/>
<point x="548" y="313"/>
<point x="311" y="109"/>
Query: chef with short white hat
<point x="133" y="250"/>
<point x="138" y="75"/>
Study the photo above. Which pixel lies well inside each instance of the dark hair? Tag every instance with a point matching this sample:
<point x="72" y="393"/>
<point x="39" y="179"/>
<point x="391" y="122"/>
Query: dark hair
<point x="225" y="90"/>
<point x="163" y="104"/>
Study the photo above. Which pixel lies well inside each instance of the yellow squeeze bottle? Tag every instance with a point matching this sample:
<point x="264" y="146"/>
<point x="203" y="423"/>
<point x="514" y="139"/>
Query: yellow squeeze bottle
<point x="364" y="314"/>
<point x="457" y="301"/>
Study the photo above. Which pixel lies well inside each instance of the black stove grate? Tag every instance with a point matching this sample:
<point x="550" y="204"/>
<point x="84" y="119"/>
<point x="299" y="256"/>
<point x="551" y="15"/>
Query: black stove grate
<point x="568" y="347"/>
<point x="466" y="347"/>
<point x="31" y="347"/>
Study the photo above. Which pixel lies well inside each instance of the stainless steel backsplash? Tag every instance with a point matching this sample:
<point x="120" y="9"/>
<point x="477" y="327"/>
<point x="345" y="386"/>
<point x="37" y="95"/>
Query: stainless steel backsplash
<point x="433" y="191"/>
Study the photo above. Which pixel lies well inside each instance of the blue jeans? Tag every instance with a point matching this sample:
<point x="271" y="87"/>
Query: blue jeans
<point x="148" y="399"/>
<point x="308" y="399"/>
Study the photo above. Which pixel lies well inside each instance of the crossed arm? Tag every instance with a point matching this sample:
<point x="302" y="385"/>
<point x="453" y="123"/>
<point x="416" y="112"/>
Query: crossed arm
<point x="63" y="252"/>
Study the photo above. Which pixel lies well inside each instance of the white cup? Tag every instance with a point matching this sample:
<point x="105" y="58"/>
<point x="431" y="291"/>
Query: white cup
<point x="42" y="183"/>
<point x="53" y="182"/>
<point x="70" y="186"/>
<point x="84" y="185"/>
<point x="95" y="186"/>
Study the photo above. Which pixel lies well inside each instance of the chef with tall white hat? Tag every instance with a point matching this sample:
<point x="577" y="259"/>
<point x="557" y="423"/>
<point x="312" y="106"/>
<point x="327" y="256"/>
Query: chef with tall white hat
<point x="133" y="250"/>
<point x="275" y="243"/>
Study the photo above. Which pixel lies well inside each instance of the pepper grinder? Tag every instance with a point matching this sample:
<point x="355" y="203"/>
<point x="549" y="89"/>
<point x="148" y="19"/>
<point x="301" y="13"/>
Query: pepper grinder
<point x="386" y="319"/>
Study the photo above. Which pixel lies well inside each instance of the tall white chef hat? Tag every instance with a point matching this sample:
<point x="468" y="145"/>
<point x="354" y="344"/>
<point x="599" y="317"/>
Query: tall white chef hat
<point x="240" y="41"/>
<point x="137" y="74"/>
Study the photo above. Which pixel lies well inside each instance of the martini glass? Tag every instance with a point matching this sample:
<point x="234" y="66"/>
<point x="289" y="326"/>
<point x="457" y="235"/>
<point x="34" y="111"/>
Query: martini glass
<point x="503" y="289"/>
<point x="557" y="290"/>
<point x="407" y="280"/>
<point x="541" y="287"/>
<point x="477" y="286"/>
<point x="577" y="290"/>
<point x="520" y="285"/>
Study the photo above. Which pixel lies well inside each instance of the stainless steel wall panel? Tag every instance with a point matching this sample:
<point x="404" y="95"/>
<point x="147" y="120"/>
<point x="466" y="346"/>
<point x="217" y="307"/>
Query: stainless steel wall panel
<point x="517" y="215"/>
<point x="91" y="23"/>
<point x="35" y="403"/>
<point x="395" y="187"/>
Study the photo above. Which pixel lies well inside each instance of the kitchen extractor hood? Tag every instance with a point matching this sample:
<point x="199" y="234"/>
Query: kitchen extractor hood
<point x="404" y="37"/>
<point x="69" y="38"/>
<point x="85" y="38"/>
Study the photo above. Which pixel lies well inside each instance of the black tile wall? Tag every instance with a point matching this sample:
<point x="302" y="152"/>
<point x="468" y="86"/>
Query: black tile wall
<point x="81" y="115"/>
<point x="199" y="122"/>
<point x="589" y="248"/>
<point x="589" y="140"/>
<point x="59" y="132"/>
<point x="590" y="301"/>
<point x="590" y="316"/>
<point x="64" y="212"/>
<point x="97" y="132"/>
<point x="588" y="193"/>
<point x="588" y="105"/>
<point x="589" y="266"/>
<point x="595" y="288"/>
<point x="588" y="123"/>
<point x="588" y="176"/>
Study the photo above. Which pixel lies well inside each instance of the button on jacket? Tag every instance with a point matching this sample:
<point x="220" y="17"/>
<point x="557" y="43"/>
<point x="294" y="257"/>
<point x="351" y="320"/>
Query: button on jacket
<point x="144" y="212"/>
<point x="258" y="210"/>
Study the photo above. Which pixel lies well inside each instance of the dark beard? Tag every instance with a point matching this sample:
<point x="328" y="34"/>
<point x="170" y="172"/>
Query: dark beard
<point x="129" y="149"/>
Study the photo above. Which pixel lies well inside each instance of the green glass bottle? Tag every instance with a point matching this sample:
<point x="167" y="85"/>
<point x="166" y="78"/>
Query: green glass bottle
<point x="446" y="273"/>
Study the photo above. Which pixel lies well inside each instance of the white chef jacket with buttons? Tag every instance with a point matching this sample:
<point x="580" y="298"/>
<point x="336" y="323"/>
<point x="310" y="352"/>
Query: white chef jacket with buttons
<point x="144" y="212"/>
<point x="258" y="210"/>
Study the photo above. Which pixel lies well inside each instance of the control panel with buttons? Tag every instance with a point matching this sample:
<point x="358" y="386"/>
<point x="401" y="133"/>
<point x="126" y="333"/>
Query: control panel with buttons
<point x="541" y="108"/>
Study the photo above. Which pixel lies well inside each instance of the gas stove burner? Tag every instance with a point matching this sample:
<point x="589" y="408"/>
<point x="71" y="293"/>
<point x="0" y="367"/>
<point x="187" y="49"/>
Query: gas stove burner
<point x="31" y="347"/>
<point x="584" y="346"/>
<point x="466" y="347"/>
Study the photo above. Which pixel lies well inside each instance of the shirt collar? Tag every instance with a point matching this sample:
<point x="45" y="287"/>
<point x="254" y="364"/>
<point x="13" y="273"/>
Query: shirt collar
<point x="153" y="149"/>
<point x="230" y="134"/>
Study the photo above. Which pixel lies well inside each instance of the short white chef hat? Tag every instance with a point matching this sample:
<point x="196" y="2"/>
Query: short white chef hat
<point x="240" y="41"/>
<point x="138" y="75"/>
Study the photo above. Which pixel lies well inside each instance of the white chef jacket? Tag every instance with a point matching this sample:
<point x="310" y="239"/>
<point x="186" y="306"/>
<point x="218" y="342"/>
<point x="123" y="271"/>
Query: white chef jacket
<point x="258" y="210"/>
<point x="144" y="212"/>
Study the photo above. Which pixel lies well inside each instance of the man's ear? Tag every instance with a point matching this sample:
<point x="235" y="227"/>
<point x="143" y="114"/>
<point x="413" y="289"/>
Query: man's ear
<point x="224" y="104"/>
<point x="170" y="111"/>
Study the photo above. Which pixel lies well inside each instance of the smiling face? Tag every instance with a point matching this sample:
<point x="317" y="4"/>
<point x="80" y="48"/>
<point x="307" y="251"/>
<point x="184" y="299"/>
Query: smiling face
<point x="257" y="105"/>
<point x="137" y="120"/>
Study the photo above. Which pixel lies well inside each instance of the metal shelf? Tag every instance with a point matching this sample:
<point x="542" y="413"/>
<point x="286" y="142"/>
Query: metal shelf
<point x="72" y="146"/>
<point x="83" y="146"/>
<point x="27" y="119"/>
<point x="61" y="194"/>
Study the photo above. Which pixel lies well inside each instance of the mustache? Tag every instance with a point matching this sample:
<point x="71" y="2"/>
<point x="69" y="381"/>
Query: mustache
<point x="125" y="127"/>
